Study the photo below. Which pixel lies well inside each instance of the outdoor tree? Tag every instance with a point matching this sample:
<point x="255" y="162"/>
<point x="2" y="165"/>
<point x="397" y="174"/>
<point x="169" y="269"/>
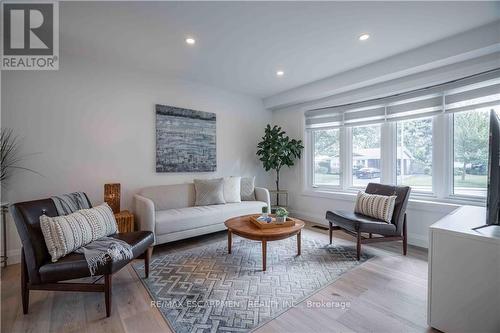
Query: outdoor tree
<point x="327" y="142"/>
<point x="366" y="137"/>
<point x="416" y="137"/>
<point x="277" y="150"/>
<point x="471" y="139"/>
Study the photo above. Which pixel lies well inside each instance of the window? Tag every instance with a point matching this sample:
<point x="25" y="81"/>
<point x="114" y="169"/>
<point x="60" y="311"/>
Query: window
<point x="414" y="154"/>
<point x="470" y="152"/>
<point x="326" y="157"/>
<point x="365" y="155"/>
<point x="433" y="139"/>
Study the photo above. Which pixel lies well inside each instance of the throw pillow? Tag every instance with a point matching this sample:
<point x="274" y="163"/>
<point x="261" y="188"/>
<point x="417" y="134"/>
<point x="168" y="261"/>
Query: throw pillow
<point x="232" y="187"/>
<point x="378" y="206"/>
<point x="209" y="191"/>
<point x="65" y="234"/>
<point x="248" y="188"/>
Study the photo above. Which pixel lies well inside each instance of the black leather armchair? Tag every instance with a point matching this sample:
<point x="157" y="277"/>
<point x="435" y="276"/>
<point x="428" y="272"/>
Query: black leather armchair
<point x="38" y="272"/>
<point x="355" y="224"/>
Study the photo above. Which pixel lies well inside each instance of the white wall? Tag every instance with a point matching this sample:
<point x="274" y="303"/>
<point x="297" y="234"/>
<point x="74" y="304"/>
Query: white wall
<point x="91" y="124"/>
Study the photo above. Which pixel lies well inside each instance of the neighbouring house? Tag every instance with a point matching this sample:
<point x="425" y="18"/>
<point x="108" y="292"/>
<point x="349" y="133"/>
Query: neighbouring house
<point x="370" y="158"/>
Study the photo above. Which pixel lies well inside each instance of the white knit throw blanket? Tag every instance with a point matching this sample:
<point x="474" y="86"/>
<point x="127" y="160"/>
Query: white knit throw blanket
<point x="98" y="252"/>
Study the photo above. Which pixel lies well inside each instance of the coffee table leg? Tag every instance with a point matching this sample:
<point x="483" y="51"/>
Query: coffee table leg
<point x="229" y="241"/>
<point x="299" y="242"/>
<point x="264" y="254"/>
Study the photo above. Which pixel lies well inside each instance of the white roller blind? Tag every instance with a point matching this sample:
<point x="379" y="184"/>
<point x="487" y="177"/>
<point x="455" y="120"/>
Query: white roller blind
<point x="478" y="96"/>
<point x="478" y="91"/>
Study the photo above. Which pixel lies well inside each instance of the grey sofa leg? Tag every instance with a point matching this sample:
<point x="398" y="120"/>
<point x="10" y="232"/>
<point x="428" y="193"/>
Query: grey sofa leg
<point x="358" y="246"/>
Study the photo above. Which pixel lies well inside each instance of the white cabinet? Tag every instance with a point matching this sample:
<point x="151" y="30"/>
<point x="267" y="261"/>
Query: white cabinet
<point x="464" y="273"/>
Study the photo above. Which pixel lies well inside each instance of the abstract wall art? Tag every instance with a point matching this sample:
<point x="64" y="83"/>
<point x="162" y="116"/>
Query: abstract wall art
<point x="185" y="140"/>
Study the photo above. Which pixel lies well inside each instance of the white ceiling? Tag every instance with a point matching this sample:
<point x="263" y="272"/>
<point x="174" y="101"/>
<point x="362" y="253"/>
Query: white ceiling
<point x="239" y="46"/>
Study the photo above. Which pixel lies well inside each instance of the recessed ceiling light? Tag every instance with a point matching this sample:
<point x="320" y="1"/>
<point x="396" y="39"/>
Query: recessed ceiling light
<point x="280" y="73"/>
<point x="364" y="37"/>
<point x="190" y="41"/>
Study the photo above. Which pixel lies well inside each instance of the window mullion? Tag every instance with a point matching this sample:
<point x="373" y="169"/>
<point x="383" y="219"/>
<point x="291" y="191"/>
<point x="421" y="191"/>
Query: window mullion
<point x="387" y="143"/>
<point x="346" y="157"/>
<point x="440" y="156"/>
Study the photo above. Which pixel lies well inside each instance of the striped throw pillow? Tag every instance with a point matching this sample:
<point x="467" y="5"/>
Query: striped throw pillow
<point x="377" y="206"/>
<point x="65" y="234"/>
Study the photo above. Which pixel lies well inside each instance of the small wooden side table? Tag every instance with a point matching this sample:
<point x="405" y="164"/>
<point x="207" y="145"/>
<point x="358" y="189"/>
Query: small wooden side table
<point x="125" y="221"/>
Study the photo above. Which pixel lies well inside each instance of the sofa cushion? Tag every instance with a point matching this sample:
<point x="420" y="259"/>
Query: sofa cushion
<point x="209" y="191"/>
<point x="170" y="196"/>
<point x="357" y="222"/>
<point x="65" y="234"/>
<point x="248" y="188"/>
<point x="377" y="206"/>
<point x="232" y="186"/>
<point x="174" y="220"/>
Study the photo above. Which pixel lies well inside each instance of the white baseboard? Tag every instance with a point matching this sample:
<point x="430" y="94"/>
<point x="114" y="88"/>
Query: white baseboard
<point x="413" y="239"/>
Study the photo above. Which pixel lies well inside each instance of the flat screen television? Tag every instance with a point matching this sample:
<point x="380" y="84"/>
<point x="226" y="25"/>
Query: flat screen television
<point x="493" y="199"/>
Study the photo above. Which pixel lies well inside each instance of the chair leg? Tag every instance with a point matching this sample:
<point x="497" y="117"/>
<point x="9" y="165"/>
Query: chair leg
<point x="331" y="232"/>
<point x="25" y="292"/>
<point x="405" y="237"/>
<point x="107" y="293"/>
<point x="358" y="246"/>
<point x="147" y="259"/>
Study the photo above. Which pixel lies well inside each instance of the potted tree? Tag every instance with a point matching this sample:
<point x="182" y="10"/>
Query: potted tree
<point x="277" y="150"/>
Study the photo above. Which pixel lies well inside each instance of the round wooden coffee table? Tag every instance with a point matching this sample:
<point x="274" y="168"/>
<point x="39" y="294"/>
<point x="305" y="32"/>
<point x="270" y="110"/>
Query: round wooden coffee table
<point x="243" y="227"/>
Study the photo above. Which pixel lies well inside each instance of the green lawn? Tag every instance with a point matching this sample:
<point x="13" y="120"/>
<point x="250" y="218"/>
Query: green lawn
<point x="326" y="179"/>
<point x="470" y="181"/>
<point x="475" y="181"/>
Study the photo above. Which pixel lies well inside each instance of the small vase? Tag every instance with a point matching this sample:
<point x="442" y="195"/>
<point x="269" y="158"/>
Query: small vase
<point x="280" y="219"/>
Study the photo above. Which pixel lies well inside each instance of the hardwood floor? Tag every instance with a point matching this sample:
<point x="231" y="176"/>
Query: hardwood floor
<point x="386" y="294"/>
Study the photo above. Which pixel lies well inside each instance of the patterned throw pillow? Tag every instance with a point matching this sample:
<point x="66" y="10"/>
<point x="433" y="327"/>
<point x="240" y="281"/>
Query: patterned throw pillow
<point x="232" y="186"/>
<point x="65" y="234"/>
<point x="378" y="206"/>
<point x="248" y="188"/>
<point x="209" y="191"/>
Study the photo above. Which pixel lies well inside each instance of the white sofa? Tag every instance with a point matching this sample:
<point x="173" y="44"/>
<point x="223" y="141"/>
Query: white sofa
<point x="169" y="212"/>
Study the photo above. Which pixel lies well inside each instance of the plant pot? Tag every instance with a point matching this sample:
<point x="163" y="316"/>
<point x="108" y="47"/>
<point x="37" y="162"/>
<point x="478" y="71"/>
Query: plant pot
<point x="280" y="219"/>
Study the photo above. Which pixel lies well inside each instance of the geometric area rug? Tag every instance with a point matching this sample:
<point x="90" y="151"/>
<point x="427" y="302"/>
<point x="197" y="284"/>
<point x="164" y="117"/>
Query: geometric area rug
<point x="205" y="289"/>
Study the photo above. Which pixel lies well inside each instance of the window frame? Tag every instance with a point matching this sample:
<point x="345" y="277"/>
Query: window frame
<point x="353" y="187"/>
<point x="451" y="170"/>
<point x="311" y="164"/>
<point x="442" y="162"/>
<point x="415" y="192"/>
